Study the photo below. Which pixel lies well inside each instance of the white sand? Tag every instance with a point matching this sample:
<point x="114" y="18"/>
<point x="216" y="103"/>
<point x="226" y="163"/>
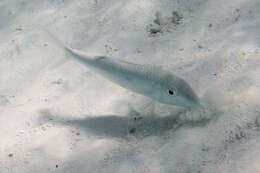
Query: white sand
<point x="58" y="116"/>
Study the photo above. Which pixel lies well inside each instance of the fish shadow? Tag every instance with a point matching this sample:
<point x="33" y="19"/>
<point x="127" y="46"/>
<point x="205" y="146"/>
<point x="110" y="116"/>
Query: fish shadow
<point x="122" y="127"/>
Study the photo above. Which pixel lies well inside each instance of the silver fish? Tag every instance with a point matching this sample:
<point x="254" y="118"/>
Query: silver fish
<point x="151" y="81"/>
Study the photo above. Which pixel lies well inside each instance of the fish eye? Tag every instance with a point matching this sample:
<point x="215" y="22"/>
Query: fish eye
<point x="171" y="92"/>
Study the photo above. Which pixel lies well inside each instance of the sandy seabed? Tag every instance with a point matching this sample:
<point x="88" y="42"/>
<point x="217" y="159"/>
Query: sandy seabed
<point x="59" y="116"/>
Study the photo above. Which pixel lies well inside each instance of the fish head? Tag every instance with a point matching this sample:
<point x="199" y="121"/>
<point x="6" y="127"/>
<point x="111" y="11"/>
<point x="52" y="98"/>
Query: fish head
<point x="176" y="91"/>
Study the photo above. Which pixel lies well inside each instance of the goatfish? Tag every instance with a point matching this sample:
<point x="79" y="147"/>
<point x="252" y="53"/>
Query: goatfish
<point x="148" y="80"/>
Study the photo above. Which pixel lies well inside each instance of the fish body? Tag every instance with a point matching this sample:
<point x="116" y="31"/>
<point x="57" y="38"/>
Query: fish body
<point x="151" y="81"/>
<point x="147" y="80"/>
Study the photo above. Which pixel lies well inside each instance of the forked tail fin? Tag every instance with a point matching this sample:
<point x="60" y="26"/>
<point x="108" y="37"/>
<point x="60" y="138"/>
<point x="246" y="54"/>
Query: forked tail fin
<point x="60" y="44"/>
<point x="55" y="39"/>
<point x="70" y="53"/>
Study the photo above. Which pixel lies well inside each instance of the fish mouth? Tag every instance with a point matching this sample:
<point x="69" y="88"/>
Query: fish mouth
<point x="189" y="104"/>
<point x="195" y="105"/>
<point x="192" y="103"/>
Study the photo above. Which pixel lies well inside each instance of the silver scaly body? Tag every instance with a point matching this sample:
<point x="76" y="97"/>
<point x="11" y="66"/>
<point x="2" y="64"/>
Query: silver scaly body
<point x="150" y="81"/>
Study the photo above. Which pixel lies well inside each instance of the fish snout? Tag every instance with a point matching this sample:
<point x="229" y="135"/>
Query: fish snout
<point x="195" y="105"/>
<point x="193" y="101"/>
